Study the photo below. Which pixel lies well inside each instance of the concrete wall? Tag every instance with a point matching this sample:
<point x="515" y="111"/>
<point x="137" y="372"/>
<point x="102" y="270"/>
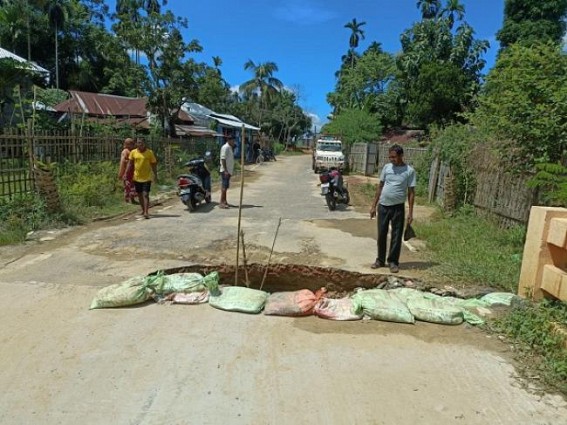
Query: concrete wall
<point x="544" y="263"/>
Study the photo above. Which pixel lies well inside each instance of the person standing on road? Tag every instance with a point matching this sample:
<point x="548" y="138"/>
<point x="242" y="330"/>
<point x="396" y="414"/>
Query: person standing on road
<point x="127" y="178"/>
<point x="396" y="180"/>
<point x="144" y="163"/>
<point x="226" y="168"/>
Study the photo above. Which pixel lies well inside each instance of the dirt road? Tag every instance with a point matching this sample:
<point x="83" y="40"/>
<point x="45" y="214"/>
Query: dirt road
<point x="156" y="364"/>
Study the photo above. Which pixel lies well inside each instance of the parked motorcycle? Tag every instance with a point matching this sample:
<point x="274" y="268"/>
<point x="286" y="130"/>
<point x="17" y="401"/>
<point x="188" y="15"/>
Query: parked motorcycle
<point x="195" y="187"/>
<point x="333" y="189"/>
<point x="268" y="154"/>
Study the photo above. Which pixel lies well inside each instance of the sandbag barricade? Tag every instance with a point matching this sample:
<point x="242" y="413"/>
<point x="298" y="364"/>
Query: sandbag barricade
<point x="402" y="304"/>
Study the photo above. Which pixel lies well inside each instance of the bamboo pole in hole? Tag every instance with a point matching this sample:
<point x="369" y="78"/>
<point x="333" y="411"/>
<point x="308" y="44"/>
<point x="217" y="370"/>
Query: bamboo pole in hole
<point x="242" y="143"/>
<point x="271" y="251"/>
<point x="244" y="260"/>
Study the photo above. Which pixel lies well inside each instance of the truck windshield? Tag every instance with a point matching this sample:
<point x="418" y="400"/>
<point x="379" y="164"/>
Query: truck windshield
<point x="329" y="147"/>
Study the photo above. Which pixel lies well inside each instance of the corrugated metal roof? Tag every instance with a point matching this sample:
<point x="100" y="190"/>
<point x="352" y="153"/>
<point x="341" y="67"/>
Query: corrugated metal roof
<point x="235" y="124"/>
<point x="5" y="54"/>
<point x="103" y="105"/>
<point x="194" y="130"/>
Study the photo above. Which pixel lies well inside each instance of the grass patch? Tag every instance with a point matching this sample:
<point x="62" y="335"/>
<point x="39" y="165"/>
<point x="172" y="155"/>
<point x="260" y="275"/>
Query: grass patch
<point x="468" y="249"/>
<point x="543" y="350"/>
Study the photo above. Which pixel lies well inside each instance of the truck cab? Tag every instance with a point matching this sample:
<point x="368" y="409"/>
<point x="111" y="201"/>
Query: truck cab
<point x="328" y="153"/>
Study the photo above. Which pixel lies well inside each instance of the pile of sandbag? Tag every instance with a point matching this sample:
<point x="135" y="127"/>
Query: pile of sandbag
<point x="402" y="305"/>
<point x="184" y="288"/>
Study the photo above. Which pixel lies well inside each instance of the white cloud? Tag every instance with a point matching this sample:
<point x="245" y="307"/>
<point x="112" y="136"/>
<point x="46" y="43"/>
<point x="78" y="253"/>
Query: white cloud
<point x="303" y="12"/>
<point x="317" y="122"/>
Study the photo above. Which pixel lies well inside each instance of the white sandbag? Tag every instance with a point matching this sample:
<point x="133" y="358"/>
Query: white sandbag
<point x="238" y="298"/>
<point x="338" y="309"/>
<point x="381" y="304"/>
<point x="130" y="292"/>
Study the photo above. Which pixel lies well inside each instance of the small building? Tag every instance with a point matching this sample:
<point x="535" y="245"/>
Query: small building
<point x="226" y="125"/>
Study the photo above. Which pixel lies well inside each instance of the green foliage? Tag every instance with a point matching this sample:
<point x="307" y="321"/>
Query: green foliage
<point x="531" y="21"/>
<point x="360" y="86"/>
<point x="430" y="46"/>
<point x="523" y="97"/>
<point x="454" y="146"/>
<point x="90" y="186"/>
<point x="530" y="327"/>
<point x="467" y="249"/>
<point x="19" y="216"/>
<point x="354" y="126"/>
<point x="436" y="95"/>
<point x="551" y="179"/>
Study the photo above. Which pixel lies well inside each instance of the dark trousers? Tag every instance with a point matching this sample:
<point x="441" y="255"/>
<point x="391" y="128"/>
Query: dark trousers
<point x="395" y="215"/>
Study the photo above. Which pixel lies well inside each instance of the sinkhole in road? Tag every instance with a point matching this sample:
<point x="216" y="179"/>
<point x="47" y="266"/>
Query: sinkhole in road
<point x="288" y="277"/>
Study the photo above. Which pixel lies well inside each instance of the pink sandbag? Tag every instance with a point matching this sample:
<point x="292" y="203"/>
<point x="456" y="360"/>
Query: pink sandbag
<point x="338" y="309"/>
<point x="296" y="303"/>
<point x="189" y="297"/>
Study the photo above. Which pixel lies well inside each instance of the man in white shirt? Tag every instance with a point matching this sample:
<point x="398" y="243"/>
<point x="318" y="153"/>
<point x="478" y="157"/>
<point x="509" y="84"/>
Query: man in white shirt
<point x="226" y="168"/>
<point x="396" y="180"/>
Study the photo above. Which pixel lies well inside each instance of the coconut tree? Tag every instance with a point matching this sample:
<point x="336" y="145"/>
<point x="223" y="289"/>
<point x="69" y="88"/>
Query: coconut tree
<point x="57" y="13"/>
<point x="429" y="8"/>
<point x="263" y="83"/>
<point x="153" y="6"/>
<point x="356" y="34"/>
<point x="453" y="9"/>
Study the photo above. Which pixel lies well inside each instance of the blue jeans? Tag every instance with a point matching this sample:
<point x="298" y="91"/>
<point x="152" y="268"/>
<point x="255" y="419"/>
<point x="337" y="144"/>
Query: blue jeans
<point x="394" y="214"/>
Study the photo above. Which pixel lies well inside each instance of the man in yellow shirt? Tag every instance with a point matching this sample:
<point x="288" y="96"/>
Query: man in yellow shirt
<point x="144" y="163"/>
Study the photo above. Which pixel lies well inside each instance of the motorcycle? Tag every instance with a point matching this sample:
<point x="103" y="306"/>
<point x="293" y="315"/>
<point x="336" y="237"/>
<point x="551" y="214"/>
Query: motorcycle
<point x="333" y="189"/>
<point x="268" y="154"/>
<point x="195" y="187"/>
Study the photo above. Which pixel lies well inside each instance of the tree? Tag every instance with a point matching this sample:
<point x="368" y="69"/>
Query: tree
<point x="437" y="94"/>
<point x="429" y="8"/>
<point x="524" y="104"/>
<point x="172" y="78"/>
<point x="57" y="12"/>
<point x="530" y="21"/>
<point x="359" y="87"/>
<point x="356" y="34"/>
<point x="354" y="126"/>
<point x="434" y="41"/>
<point x="264" y="85"/>
<point x="453" y="9"/>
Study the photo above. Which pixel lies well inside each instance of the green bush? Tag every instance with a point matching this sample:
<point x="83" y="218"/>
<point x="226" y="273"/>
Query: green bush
<point x="19" y="216"/>
<point x="89" y="185"/>
<point x="530" y="326"/>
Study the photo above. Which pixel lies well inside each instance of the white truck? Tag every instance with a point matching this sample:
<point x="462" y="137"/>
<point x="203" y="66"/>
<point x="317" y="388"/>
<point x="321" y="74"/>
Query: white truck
<point x="328" y="153"/>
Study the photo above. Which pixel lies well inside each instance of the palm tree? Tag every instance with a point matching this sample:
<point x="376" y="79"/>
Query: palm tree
<point x="429" y="8"/>
<point x="453" y="8"/>
<point x="217" y="61"/>
<point x="57" y="12"/>
<point x="355" y="36"/>
<point x="153" y="6"/>
<point x="264" y="83"/>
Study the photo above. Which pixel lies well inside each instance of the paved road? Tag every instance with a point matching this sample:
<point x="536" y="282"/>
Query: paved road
<point x="156" y="364"/>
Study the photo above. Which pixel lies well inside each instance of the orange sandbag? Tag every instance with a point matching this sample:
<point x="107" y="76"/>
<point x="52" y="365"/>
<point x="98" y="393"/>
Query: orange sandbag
<point x="338" y="309"/>
<point x="296" y="303"/>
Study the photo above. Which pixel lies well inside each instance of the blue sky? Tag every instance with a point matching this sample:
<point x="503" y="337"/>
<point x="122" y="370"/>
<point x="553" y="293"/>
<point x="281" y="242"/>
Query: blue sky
<point x="306" y="38"/>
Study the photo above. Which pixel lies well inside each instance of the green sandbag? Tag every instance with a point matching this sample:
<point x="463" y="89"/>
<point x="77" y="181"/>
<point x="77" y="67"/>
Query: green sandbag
<point x="130" y="292"/>
<point x="404" y="294"/>
<point x="182" y="283"/>
<point x="238" y="298"/>
<point x="500" y="298"/>
<point x="380" y="304"/>
<point x="435" y="311"/>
